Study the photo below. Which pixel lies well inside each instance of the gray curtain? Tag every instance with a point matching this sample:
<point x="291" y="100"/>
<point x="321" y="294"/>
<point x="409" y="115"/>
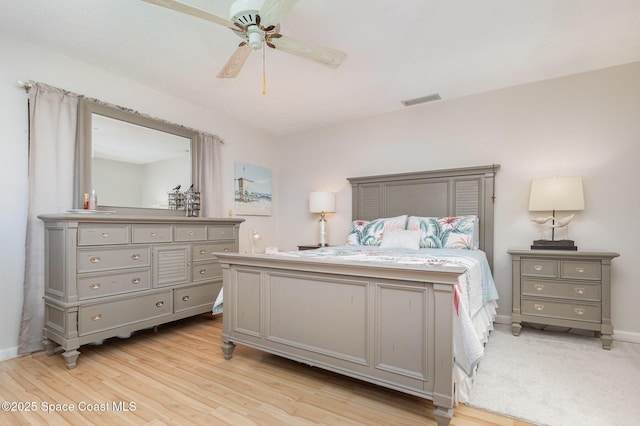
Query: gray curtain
<point x="210" y="176"/>
<point x="52" y="147"/>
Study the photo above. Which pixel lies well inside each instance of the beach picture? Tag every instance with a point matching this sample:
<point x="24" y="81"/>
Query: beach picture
<point x="252" y="190"/>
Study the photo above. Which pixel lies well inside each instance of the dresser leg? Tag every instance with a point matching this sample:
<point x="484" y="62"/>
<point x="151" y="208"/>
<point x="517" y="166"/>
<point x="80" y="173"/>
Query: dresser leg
<point x="606" y="341"/>
<point x="515" y="328"/>
<point x="50" y="347"/>
<point x="71" y="358"/>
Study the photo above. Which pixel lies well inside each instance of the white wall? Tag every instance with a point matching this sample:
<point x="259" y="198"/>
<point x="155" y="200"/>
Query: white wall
<point x="586" y="124"/>
<point x="24" y="61"/>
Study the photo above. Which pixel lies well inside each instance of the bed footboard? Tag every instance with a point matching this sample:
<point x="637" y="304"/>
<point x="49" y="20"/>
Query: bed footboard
<point x="391" y="326"/>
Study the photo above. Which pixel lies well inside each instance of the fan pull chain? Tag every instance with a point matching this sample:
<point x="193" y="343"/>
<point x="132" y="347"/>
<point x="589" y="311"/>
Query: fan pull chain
<point x="264" y="74"/>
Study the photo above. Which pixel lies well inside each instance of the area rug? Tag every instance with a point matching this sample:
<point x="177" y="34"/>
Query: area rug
<point x="558" y="379"/>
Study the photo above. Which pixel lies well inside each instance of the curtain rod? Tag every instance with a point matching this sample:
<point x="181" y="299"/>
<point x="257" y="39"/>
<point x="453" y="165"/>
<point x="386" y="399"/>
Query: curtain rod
<point x="28" y="86"/>
<point x="25" y="86"/>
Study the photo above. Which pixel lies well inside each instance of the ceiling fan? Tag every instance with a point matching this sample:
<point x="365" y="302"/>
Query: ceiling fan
<point x="257" y="22"/>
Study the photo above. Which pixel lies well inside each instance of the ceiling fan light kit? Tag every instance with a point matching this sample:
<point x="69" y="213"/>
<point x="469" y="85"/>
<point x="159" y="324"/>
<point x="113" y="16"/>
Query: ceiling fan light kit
<point x="257" y="22"/>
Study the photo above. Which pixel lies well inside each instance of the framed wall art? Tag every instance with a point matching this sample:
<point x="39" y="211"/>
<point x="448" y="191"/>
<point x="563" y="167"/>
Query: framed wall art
<point x="252" y="190"/>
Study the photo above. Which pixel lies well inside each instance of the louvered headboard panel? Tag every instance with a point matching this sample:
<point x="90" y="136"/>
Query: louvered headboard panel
<point x="452" y="192"/>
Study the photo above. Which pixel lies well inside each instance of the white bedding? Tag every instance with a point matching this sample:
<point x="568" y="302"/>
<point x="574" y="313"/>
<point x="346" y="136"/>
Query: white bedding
<point x="475" y="296"/>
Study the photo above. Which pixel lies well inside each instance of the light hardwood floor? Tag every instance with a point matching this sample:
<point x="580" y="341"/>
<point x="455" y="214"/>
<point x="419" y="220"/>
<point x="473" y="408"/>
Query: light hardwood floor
<point x="178" y="376"/>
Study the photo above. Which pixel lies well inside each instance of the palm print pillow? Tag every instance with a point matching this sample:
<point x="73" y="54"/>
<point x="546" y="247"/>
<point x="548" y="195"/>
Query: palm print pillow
<point x="456" y="232"/>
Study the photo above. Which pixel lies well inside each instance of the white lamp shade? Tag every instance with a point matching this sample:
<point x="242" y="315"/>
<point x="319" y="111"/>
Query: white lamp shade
<point x="558" y="193"/>
<point x="322" y="202"/>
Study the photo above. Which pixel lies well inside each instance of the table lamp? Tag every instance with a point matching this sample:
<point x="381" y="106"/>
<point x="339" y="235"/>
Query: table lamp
<point x="555" y="194"/>
<point x="322" y="202"/>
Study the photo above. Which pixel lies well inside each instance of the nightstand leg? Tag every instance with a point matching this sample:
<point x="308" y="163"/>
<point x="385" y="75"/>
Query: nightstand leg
<point x="515" y="328"/>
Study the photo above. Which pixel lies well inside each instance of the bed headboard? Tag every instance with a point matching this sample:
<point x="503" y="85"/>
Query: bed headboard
<point x="451" y="192"/>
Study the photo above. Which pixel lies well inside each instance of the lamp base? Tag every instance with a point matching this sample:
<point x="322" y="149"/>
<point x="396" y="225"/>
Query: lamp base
<point x="553" y="245"/>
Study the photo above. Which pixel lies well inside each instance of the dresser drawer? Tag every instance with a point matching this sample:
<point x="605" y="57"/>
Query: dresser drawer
<point x="151" y="233"/>
<point x="109" y="284"/>
<point x="583" y="270"/>
<point x="539" y="268"/>
<point x="220" y="232"/>
<point x="102" y="259"/>
<point x="562" y="310"/>
<point x="206" y="271"/>
<point x="205" y="251"/>
<point x="190" y="232"/>
<point x="90" y="234"/>
<point x="118" y="313"/>
<point x="566" y="290"/>
<point x="195" y="296"/>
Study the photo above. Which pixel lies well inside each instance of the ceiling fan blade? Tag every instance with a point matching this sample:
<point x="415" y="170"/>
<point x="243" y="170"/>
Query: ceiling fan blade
<point x="273" y="10"/>
<point x="193" y="11"/>
<point x="325" y="55"/>
<point x="235" y="62"/>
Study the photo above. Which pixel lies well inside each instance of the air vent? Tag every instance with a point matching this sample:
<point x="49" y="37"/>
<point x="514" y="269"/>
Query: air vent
<point x="422" y="100"/>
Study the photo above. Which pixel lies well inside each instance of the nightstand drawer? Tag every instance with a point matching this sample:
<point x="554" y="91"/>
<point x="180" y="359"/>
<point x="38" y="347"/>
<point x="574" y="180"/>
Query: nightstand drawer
<point x="540" y="268"/>
<point x="566" y="290"/>
<point x="583" y="270"/>
<point x="562" y="310"/>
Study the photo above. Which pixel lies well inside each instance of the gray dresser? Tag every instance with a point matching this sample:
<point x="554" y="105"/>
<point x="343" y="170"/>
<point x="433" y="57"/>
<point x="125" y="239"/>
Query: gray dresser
<point x="563" y="288"/>
<point x="108" y="275"/>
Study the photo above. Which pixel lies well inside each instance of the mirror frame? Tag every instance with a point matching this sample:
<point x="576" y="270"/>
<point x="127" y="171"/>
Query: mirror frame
<point x="83" y="181"/>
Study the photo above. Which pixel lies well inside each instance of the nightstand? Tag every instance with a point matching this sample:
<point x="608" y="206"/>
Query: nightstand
<point x="310" y="247"/>
<point x="563" y="288"/>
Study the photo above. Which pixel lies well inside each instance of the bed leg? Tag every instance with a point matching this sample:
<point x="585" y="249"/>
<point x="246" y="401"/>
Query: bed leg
<point x="227" y="349"/>
<point x="443" y="415"/>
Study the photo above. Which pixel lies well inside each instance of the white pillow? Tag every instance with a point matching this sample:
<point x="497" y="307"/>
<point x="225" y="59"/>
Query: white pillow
<point x="399" y="238"/>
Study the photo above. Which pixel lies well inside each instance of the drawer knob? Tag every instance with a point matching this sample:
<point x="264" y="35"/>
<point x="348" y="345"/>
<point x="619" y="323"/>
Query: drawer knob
<point x="185" y="298"/>
<point x="221" y="232"/>
<point x="539" y="287"/>
<point x="94" y="259"/>
<point x="579" y="311"/>
<point x="104" y="234"/>
<point x="135" y="281"/>
<point x="538" y="268"/>
<point x="538" y="307"/>
<point x="202" y="271"/>
<point x="160" y="304"/>
<point x="226" y="249"/>
<point x="152" y="234"/>
<point x="203" y="251"/>
<point x="579" y="290"/>
<point x="580" y="270"/>
<point x="135" y="256"/>
<point x="96" y="317"/>
<point x="190" y="232"/>
<point x="94" y="286"/>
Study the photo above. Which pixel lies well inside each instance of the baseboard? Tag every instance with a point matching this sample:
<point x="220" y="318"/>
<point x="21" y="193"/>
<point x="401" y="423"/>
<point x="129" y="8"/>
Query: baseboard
<point x="503" y="319"/>
<point x="8" y="353"/>
<point x="626" y="336"/>
<point x="619" y="335"/>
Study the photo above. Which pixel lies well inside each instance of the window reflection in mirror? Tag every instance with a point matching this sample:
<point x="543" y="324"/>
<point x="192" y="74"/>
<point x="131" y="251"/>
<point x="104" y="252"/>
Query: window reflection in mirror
<point x="136" y="166"/>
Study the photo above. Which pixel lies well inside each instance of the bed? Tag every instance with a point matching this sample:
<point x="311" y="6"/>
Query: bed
<point x="409" y="318"/>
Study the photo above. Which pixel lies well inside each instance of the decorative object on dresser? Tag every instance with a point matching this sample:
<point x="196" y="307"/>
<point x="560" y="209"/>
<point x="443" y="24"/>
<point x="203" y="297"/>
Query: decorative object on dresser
<point x="110" y="275"/>
<point x="563" y="288"/>
<point x="322" y="202"/>
<point x="555" y="194"/>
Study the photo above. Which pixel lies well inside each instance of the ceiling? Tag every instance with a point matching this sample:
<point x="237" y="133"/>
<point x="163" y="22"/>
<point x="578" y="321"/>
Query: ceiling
<point x="396" y="50"/>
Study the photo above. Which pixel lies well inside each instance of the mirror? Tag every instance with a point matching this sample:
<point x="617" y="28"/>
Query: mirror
<point x="130" y="160"/>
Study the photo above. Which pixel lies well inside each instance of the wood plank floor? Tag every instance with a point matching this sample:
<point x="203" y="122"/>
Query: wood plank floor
<point x="178" y="376"/>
